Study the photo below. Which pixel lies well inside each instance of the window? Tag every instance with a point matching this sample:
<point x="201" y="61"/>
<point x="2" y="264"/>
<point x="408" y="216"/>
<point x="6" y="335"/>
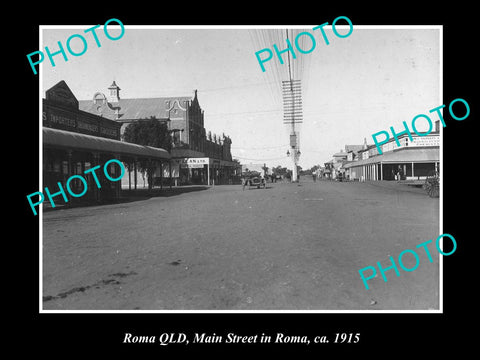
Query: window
<point x="56" y="166"/>
<point x="99" y="99"/>
<point x="111" y="170"/>
<point x="176" y="137"/>
<point x="65" y="167"/>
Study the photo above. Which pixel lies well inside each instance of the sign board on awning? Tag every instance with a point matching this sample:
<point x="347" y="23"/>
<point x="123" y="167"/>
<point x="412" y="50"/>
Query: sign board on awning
<point x="194" y="163"/>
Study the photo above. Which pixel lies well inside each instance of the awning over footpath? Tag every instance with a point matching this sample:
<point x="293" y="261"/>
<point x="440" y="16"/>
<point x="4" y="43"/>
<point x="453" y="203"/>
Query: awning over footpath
<point x="71" y="140"/>
<point x="403" y="155"/>
<point x="187" y="156"/>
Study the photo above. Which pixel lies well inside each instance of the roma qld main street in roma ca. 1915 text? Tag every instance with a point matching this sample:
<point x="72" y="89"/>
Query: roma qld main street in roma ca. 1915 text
<point x="287" y="247"/>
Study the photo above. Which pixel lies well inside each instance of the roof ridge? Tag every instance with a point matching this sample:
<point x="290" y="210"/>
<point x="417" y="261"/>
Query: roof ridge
<point x="150" y="98"/>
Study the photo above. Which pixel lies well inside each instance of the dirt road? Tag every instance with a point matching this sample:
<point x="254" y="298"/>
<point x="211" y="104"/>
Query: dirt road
<point x="288" y="247"/>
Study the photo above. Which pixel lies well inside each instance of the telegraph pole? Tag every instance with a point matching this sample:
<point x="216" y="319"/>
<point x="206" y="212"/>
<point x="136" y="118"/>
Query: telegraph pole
<point x="292" y="114"/>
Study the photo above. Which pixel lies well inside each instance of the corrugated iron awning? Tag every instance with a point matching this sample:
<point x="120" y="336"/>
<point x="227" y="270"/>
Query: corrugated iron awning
<point x="71" y="140"/>
<point x="412" y="154"/>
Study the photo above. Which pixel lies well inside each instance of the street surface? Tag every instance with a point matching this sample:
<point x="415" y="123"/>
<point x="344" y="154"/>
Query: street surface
<point x="287" y="247"/>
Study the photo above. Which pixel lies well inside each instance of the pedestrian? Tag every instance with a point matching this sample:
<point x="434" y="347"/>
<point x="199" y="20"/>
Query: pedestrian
<point x="314" y="177"/>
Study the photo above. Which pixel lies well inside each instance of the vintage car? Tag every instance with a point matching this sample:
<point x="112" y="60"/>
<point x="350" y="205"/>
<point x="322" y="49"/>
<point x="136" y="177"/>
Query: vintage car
<point x="253" y="180"/>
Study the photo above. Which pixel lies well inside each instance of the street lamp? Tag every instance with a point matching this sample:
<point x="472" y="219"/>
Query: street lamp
<point x="297" y="153"/>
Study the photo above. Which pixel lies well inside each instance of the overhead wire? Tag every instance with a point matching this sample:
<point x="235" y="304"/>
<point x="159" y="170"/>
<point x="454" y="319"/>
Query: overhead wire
<point x="291" y="68"/>
<point x="261" y="160"/>
<point x="246" y="112"/>
<point x="259" y="41"/>
<point x="262" y="148"/>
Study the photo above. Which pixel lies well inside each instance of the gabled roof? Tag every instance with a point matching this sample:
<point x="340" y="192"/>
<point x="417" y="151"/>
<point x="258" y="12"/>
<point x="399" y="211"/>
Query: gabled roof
<point x="367" y="148"/>
<point x="354" y="148"/>
<point x="137" y="108"/>
<point x="61" y="94"/>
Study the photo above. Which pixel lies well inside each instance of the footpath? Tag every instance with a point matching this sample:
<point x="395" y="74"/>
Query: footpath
<point x="126" y="196"/>
<point x="400" y="186"/>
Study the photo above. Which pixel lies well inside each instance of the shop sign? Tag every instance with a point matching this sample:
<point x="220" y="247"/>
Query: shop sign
<point x="64" y="120"/>
<point x="60" y="118"/>
<point x="426" y="141"/>
<point x="194" y="163"/>
<point x="420" y="116"/>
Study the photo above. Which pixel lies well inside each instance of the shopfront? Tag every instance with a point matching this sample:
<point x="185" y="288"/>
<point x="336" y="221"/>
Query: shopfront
<point x="205" y="171"/>
<point x="408" y="163"/>
<point x="75" y="141"/>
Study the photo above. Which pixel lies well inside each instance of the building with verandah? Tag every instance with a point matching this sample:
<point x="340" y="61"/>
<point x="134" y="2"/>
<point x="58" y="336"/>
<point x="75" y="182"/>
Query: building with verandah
<point x="198" y="156"/>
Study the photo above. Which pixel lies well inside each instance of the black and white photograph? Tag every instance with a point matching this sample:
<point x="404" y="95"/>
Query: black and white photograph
<point x="275" y="184"/>
<point x="248" y="184"/>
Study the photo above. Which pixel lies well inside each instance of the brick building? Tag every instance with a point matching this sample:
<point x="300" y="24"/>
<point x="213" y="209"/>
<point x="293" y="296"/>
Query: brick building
<point x="74" y="141"/>
<point x="198" y="156"/>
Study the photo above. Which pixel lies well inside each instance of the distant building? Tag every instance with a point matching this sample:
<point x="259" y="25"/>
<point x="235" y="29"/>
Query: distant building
<point x="339" y="157"/>
<point x="335" y="166"/>
<point x="352" y="151"/>
<point x="412" y="160"/>
<point x="198" y="156"/>
<point x="328" y="170"/>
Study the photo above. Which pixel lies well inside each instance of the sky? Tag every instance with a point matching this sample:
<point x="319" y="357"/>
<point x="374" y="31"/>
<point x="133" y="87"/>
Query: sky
<point x="351" y="88"/>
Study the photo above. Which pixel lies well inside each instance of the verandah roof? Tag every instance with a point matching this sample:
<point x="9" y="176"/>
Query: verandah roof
<point x="72" y="140"/>
<point x="404" y="155"/>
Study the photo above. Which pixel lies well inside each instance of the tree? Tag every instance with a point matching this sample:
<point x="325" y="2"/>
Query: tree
<point x="279" y="170"/>
<point x="148" y="132"/>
